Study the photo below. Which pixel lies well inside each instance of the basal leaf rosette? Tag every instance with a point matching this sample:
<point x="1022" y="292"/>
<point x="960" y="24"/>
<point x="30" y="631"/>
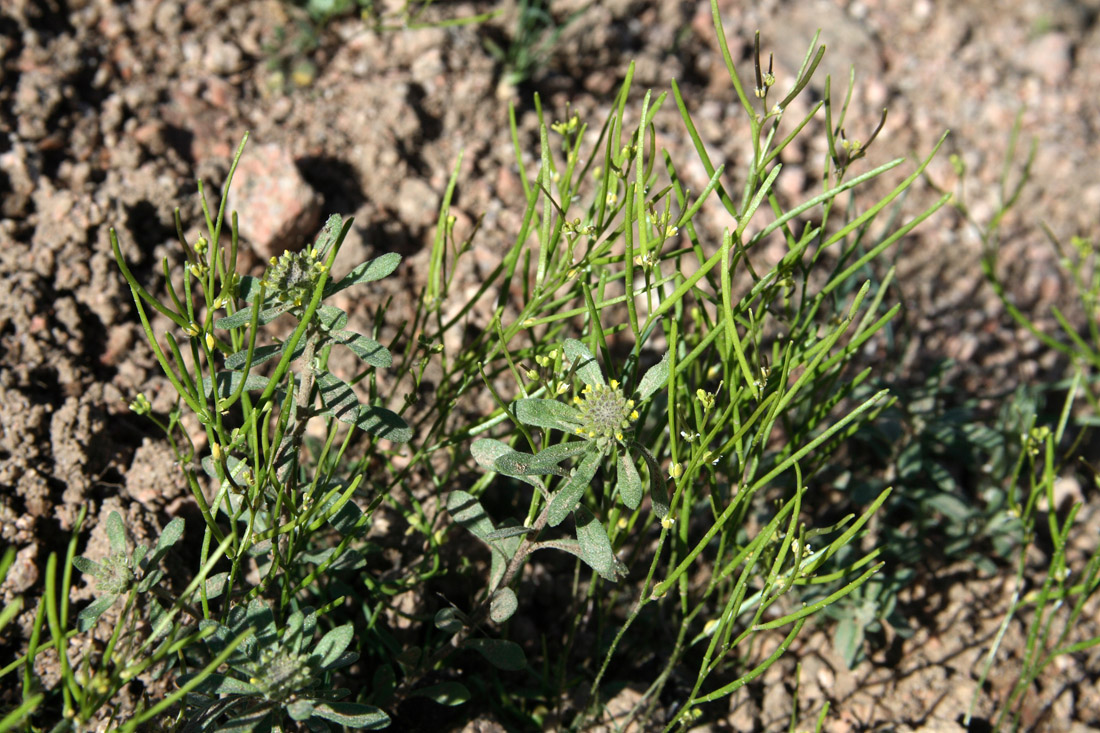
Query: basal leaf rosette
<point x="598" y="423"/>
<point x="603" y="416"/>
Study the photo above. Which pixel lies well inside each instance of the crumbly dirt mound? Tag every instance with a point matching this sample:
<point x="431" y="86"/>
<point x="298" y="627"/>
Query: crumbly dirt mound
<point x="110" y="110"/>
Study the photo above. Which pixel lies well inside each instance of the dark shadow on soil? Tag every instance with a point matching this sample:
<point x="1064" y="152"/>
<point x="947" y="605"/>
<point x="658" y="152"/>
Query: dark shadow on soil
<point x="145" y="224"/>
<point x="389" y="234"/>
<point x="181" y="140"/>
<point x="334" y="179"/>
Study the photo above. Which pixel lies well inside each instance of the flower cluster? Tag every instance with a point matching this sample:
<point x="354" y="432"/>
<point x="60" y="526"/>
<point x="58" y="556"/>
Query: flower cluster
<point x="605" y="413"/>
<point x="279" y="673"/>
<point x="293" y="275"/>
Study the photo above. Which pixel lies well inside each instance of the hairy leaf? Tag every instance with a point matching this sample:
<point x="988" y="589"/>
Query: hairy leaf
<point x="375" y="269"/>
<point x="228" y="382"/>
<point x="503" y="551"/>
<point x="300" y="709"/>
<point x="116" y="533"/>
<point x="220" y="684"/>
<point x="172" y="533"/>
<point x="365" y="348"/>
<point x="448" y="620"/>
<point x="654" y="378"/>
<point x="503" y="605"/>
<point x="383" y="423"/>
<point x="331" y="318"/>
<point x="352" y="714"/>
<point x="347" y="519"/>
<point x="545" y="462"/>
<point x="567" y="497"/>
<point x="584" y="364"/>
<point x="338" y="397"/>
<point x="505" y="532"/>
<point x="333" y="644"/>
<point x="87" y="617"/>
<point x="467" y="511"/>
<point x="486" y="451"/>
<point x="88" y="567"/>
<point x="329" y="233"/>
<point x="543" y="413"/>
<point x="595" y="547"/>
<point x="630" y="483"/>
<point x="243" y="317"/>
<point x="215" y="586"/>
<point x="260" y="354"/>
<point x="247" y="289"/>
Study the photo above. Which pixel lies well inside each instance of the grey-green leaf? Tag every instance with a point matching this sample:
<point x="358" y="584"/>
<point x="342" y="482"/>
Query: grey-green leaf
<point x="503" y="551"/>
<point x="220" y="684"/>
<point x="248" y="289"/>
<point x="541" y="463"/>
<point x="654" y="378"/>
<point x="595" y="547"/>
<point x="338" y="397"/>
<point x="172" y="533"/>
<point x="352" y="714"/>
<point x="505" y="532"/>
<point x="630" y="483"/>
<point x="375" y="269"/>
<point x="263" y="720"/>
<point x="331" y="318"/>
<point x="300" y="709"/>
<point x="228" y="382"/>
<point x="236" y="320"/>
<point x="525" y="464"/>
<point x="503" y="605"/>
<point x="585" y="365"/>
<point x="340" y="402"/>
<point x="138" y="555"/>
<point x="467" y="511"/>
<point x="448" y="620"/>
<point x="848" y="639"/>
<point x="329" y="233"/>
<point x="383" y="423"/>
<point x="88" y="567"/>
<point x="365" y="348"/>
<point x="445" y="693"/>
<point x="348" y="519"/>
<point x="261" y="354"/>
<point x="547" y="414"/>
<point x="486" y="451"/>
<point x="348" y="559"/>
<point x="567" y="497"/>
<point x="150" y="579"/>
<point x="501" y="653"/>
<point x="215" y="586"/>
<point x="559" y="452"/>
<point x="333" y="644"/>
<point x="86" y="618"/>
<point x="244" y="316"/>
<point x="116" y="533"/>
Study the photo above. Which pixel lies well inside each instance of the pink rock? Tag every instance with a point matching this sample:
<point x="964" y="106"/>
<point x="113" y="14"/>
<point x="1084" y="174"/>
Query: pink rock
<point x="277" y="210"/>
<point x="1049" y="57"/>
